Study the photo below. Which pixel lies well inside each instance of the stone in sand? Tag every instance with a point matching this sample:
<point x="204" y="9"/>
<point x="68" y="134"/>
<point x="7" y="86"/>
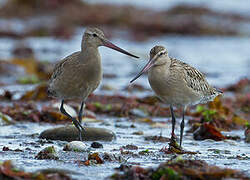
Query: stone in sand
<point x="70" y="133"/>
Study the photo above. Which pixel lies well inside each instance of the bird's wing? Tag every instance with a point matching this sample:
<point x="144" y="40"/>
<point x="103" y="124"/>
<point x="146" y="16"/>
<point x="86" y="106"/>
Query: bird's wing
<point x="59" y="66"/>
<point x="191" y="76"/>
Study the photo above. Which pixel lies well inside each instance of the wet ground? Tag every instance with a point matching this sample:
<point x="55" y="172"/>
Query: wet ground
<point x="228" y="153"/>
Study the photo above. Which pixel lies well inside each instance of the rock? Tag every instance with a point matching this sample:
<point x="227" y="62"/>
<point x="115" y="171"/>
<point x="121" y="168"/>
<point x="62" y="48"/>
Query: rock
<point x="5" y="119"/>
<point x="70" y="133"/>
<point x="93" y="159"/>
<point x="130" y="147"/>
<point x="47" y="153"/>
<point x="96" y="145"/>
<point x="138" y="133"/>
<point x="114" y="158"/>
<point x="76" y="146"/>
<point x="5" y="148"/>
<point x="208" y="131"/>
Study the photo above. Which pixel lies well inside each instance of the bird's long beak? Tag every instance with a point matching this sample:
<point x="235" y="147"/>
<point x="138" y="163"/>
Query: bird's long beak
<point x="145" y="69"/>
<point x="112" y="46"/>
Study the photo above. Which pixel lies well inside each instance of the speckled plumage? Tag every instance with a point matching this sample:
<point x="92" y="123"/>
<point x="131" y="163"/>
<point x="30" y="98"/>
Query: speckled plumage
<point x="176" y="84"/>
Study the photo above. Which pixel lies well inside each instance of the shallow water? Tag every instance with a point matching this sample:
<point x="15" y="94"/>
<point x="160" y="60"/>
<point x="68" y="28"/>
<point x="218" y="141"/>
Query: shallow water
<point x="25" y="135"/>
<point x="225" y="60"/>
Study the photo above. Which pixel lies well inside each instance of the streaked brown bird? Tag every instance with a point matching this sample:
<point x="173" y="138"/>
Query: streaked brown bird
<point x="176" y="83"/>
<point x="79" y="74"/>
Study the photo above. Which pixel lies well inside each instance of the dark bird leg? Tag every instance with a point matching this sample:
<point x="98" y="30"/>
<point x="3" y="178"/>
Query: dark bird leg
<point x="75" y="122"/>
<point x="81" y="111"/>
<point x="182" y="124"/>
<point x="173" y="123"/>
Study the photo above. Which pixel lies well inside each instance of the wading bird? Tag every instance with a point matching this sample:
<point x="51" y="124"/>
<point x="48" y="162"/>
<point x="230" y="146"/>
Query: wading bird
<point x="176" y="83"/>
<point x="79" y="74"/>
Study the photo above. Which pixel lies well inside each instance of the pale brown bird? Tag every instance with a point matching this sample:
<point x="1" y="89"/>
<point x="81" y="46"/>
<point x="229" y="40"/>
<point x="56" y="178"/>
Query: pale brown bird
<point x="79" y="74"/>
<point x="176" y="83"/>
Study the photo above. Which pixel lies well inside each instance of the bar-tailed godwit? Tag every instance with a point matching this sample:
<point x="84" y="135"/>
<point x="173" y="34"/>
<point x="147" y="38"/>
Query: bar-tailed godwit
<point x="176" y="83"/>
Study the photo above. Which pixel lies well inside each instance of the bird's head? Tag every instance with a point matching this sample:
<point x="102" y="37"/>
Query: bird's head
<point x="95" y="37"/>
<point x="158" y="56"/>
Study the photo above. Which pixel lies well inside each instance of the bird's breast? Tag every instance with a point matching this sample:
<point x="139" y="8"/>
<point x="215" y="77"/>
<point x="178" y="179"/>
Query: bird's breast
<point x="159" y="81"/>
<point x="170" y="87"/>
<point x="91" y="74"/>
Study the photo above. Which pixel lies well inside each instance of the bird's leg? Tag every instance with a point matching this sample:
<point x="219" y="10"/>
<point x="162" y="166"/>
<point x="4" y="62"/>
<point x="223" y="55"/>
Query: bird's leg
<point x="182" y="124"/>
<point x="173" y="145"/>
<point x="173" y="122"/>
<point x="75" y="122"/>
<point x="81" y="111"/>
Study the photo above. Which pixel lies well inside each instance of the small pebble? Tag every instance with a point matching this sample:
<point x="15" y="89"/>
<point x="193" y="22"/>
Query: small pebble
<point x="47" y="153"/>
<point x="130" y="147"/>
<point x="70" y="133"/>
<point x="76" y="146"/>
<point x="138" y="133"/>
<point x="96" y="145"/>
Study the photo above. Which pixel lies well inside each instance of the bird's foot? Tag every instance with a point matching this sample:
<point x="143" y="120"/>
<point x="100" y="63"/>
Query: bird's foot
<point x="173" y="147"/>
<point x="79" y="127"/>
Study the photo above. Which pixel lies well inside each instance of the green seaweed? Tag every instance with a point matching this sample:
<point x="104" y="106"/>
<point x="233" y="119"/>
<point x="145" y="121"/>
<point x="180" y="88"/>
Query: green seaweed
<point x="32" y="79"/>
<point x="168" y="173"/>
<point x="208" y="114"/>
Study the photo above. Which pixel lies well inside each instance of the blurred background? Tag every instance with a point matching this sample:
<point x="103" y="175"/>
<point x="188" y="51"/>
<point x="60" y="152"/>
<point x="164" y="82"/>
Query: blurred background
<point x="212" y="36"/>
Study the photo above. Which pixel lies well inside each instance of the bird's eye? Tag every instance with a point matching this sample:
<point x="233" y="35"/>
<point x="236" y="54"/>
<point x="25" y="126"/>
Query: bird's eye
<point x="161" y="53"/>
<point x="95" y="35"/>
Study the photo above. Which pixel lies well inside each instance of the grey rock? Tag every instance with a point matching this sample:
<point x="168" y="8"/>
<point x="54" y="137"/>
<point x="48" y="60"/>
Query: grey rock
<point x="47" y="153"/>
<point x="70" y="133"/>
<point x="76" y="146"/>
<point x="96" y="145"/>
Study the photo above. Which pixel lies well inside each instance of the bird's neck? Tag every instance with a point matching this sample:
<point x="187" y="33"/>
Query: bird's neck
<point x="163" y="62"/>
<point x="90" y="52"/>
<point x="87" y="44"/>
